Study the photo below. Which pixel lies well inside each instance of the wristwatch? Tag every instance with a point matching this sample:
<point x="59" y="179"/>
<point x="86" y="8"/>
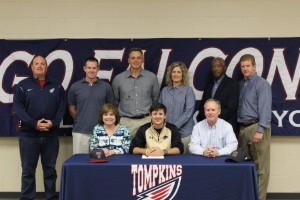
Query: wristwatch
<point x="165" y="152"/>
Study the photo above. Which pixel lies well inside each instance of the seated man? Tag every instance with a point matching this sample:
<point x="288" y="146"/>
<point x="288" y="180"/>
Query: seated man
<point x="212" y="136"/>
<point x="157" y="138"/>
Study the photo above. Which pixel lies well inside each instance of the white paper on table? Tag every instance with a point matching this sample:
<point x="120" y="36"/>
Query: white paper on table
<point x="152" y="157"/>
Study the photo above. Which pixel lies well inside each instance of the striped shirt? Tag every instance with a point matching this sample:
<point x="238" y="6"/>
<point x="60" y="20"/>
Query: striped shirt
<point x="220" y="136"/>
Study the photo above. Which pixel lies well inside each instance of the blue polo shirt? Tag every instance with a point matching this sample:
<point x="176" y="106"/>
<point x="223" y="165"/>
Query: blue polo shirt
<point x="88" y="99"/>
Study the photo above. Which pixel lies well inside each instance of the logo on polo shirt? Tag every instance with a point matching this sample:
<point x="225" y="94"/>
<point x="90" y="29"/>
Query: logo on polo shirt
<point x="155" y="181"/>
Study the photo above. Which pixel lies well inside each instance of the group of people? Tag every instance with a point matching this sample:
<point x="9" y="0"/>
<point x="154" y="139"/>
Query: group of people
<point x="133" y="116"/>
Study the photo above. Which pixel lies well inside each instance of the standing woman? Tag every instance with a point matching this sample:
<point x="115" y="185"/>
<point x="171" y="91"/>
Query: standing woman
<point x="179" y="98"/>
<point x="109" y="135"/>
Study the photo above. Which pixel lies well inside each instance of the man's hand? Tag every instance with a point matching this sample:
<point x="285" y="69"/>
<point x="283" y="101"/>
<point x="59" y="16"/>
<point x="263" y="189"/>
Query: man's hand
<point x="42" y="125"/>
<point x="257" y="137"/>
<point x="155" y="151"/>
<point x="211" y="152"/>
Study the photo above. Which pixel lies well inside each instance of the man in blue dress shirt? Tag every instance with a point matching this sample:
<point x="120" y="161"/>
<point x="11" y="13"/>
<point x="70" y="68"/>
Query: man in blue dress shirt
<point x="254" y="116"/>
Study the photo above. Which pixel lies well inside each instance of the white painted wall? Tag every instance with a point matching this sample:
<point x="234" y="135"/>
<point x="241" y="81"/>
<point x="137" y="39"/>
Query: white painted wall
<point x="36" y="19"/>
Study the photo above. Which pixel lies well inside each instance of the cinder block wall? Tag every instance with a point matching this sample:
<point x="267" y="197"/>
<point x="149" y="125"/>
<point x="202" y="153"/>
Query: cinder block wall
<point x="38" y="19"/>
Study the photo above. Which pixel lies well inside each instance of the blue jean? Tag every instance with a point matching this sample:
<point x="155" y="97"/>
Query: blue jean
<point x="30" y="150"/>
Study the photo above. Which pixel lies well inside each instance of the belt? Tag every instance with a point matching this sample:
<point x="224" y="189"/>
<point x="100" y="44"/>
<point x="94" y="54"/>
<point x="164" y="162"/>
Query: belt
<point x="139" y="117"/>
<point x="249" y="123"/>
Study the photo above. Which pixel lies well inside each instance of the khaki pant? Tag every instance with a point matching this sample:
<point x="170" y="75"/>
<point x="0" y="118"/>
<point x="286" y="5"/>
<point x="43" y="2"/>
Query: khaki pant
<point x="81" y="142"/>
<point x="186" y="140"/>
<point x="260" y="154"/>
<point x="134" y="124"/>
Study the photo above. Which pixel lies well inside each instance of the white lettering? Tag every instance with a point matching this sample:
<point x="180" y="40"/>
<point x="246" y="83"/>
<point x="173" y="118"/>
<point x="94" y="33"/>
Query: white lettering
<point x="66" y="57"/>
<point x="163" y="65"/>
<point x="18" y="55"/>
<point x="108" y="54"/>
<point x="291" y="118"/>
<point x="133" y="172"/>
<point x="280" y="117"/>
<point x="258" y="59"/>
<point x="278" y="64"/>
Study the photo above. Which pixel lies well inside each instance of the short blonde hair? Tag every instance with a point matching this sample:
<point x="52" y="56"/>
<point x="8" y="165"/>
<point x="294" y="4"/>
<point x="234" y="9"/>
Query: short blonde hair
<point x="213" y="100"/>
<point x="185" y="75"/>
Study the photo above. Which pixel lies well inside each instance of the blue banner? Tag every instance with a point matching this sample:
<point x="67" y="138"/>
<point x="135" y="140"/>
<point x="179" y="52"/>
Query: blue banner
<point x="277" y="61"/>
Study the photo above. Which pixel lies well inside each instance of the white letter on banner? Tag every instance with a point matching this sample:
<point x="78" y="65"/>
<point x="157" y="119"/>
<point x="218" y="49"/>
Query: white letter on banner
<point x="278" y="62"/>
<point x="291" y="118"/>
<point x="280" y="117"/>
<point x="18" y="55"/>
<point x="66" y="57"/>
<point x="108" y="54"/>
<point x="133" y="172"/>
<point x="163" y="65"/>
<point x="255" y="52"/>
<point x="209" y="52"/>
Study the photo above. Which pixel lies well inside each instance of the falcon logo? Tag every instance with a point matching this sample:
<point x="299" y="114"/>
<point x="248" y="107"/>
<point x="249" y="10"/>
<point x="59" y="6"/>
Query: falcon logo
<point x="155" y="182"/>
<point x="164" y="191"/>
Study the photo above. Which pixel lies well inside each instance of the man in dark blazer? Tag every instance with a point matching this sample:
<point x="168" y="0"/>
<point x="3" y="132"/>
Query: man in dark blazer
<point x="224" y="89"/>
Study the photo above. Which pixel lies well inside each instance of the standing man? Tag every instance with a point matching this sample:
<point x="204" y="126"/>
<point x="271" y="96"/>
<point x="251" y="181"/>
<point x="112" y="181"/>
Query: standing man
<point x="224" y="89"/>
<point x="135" y="90"/>
<point x="254" y="116"/>
<point x="86" y="98"/>
<point x="40" y="104"/>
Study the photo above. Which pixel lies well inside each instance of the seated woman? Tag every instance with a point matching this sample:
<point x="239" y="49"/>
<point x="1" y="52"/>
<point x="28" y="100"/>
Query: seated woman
<point x="157" y="138"/>
<point x="109" y="135"/>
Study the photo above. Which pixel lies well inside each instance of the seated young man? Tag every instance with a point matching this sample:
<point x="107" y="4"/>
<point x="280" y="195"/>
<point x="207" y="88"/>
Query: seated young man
<point x="157" y="138"/>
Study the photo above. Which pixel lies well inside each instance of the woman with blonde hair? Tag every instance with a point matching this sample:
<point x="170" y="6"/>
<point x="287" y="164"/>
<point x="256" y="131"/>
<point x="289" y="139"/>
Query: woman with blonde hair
<point x="179" y="98"/>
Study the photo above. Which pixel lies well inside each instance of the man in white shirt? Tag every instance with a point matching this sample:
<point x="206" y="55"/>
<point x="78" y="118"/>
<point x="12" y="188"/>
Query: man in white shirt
<point x="213" y="136"/>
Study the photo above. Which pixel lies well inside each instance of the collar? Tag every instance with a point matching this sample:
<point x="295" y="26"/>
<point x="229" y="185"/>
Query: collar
<point x="213" y="126"/>
<point x="219" y="81"/>
<point x="84" y="81"/>
<point x="251" y="78"/>
<point x="161" y="127"/>
<point x="37" y="80"/>
<point x="177" y="87"/>
<point x="128" y="73"/>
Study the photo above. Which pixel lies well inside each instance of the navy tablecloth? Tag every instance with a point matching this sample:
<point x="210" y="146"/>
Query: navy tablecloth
<point x="174" y="177"/>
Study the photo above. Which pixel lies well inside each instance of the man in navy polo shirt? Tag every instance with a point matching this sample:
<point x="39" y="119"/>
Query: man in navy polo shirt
<point x="85" y="99"/>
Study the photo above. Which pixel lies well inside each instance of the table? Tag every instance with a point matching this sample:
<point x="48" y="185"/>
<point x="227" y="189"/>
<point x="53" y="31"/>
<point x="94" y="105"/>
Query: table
<point x="174" y="177"/>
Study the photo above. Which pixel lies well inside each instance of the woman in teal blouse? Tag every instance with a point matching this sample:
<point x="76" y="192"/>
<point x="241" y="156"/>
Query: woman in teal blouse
<point x="109" y="134"/>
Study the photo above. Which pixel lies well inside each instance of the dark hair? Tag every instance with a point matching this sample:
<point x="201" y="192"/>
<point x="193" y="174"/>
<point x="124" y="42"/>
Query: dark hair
<point x="91" y="59"/>
<point x="105" y="109"/>
<point x="248" y="57"/>
<point x="158" y="106"/>
<point x="135" y="49"/>
<point x="34" y="57"/>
